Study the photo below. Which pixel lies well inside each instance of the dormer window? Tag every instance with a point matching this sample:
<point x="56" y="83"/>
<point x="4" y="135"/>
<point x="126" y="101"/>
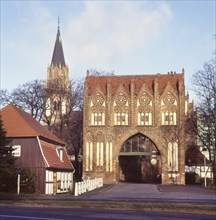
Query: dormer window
<point x="61" y="155"/>
<point x="59" y="151"/>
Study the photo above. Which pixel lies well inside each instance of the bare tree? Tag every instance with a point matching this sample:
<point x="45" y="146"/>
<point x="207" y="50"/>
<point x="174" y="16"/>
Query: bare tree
<point x="205" y="87"/>
<point x="96" y="72"/>
<point x="77" y="94"/>
<point x="28" y="97"/>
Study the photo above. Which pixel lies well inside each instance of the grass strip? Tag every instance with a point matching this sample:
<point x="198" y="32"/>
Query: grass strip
<point x="120" y="205"/>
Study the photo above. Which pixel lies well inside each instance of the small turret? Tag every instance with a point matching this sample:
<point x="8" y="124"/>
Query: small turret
<point x="183" y="70"/>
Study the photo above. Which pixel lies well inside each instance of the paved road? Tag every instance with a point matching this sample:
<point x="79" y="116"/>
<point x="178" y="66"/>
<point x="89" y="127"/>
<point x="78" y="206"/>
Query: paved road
<point x="21" y="213"/>
<point x="151" y="192"/>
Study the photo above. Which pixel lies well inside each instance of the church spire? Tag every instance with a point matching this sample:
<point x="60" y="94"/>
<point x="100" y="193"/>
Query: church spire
<point x="58" y="55"/>
<point x="58" y="22"/>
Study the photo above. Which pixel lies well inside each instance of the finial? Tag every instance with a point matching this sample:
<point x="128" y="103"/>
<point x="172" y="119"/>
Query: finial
<point x="87" y="73"/>
<point x="58" y="22"/>
<point x="183" y="70"/>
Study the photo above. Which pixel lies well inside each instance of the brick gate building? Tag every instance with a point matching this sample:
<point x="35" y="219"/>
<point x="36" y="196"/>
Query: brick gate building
<point x="134" y="128"/>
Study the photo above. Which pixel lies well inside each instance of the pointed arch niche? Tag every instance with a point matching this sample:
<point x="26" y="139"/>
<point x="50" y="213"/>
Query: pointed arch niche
<point x="100" y="140"/>
<point x="173" y="154"/>
<point x="97" y="109"/>
<point x="121" y="109"/>
<point x="89" y="152"/>
<point x="169" y="109"/>
<point x="109" y="153"/>
<point x="144" y="109"/>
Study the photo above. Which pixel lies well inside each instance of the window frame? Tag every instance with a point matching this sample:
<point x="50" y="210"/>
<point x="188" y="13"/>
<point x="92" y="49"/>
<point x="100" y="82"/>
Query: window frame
<point x="16" y="152"/>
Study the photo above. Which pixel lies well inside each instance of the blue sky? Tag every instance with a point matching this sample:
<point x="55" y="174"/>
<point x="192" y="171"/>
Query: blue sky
<point x="129" y="37"/>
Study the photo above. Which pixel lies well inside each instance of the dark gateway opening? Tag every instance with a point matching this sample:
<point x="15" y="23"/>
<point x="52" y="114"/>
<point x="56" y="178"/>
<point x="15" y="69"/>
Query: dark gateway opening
<point x="139" y="161"/>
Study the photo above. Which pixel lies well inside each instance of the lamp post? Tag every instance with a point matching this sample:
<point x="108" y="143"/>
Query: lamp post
<point x="204" y="150"/>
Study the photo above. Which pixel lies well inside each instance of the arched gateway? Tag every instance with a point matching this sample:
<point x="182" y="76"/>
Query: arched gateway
<point x="139" y="160"/>
<point x="133" y="128"/>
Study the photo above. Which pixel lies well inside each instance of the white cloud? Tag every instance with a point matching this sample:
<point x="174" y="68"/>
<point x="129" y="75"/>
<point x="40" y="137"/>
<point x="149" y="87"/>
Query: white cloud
<point x="105" y="32"/>
<point x="99" y="35"/>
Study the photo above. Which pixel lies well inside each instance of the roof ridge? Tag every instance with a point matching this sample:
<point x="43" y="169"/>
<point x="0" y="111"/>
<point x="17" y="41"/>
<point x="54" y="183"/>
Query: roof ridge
<point x="138" y="75"/>
<point x="30" y="126"/>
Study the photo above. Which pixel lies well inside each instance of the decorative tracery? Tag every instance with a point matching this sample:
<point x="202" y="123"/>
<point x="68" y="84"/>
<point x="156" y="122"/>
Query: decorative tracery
<point x="121" y="109"/>
<point x="121" y="99"/>
<point x="98" y="99"/>
<point x="169" y="99"/>
<point x="169" y="109"/>
<point x="144" y="99"/>
<point x="144" y="108"/>
<point x="98" y="109"/>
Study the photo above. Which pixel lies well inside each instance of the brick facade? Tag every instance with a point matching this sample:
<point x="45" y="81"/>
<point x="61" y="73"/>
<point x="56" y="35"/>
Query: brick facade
<point x="120" y="108"/>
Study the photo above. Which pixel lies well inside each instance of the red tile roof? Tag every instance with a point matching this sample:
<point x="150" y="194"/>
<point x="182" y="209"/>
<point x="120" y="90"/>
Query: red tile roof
<point x="20" y="124"/>
<point x="193" y="156"/>
<point x="53" y="160"/>
<point x="139" y="80"/>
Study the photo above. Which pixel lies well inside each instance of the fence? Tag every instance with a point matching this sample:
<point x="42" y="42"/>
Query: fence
<point x="87" y="185"/>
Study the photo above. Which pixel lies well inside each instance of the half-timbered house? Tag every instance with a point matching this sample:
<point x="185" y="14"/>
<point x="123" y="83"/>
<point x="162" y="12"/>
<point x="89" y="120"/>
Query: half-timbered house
<point x="36" y="148"/>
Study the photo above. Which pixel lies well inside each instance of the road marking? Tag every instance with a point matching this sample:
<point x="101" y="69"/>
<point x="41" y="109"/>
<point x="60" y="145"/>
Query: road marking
<point x="28" y="217"/>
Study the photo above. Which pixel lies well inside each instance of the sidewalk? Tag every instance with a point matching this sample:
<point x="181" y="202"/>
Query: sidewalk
<point x="133" y="192"/>
<point x="127" y="196"/>
<point x="151" y="192"/>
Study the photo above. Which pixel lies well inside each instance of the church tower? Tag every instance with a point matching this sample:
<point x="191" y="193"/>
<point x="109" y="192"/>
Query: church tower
<point x="57" y="86"/>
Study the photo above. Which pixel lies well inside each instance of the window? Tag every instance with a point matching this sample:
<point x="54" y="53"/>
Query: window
<point x="166" y="117"/>
<point x="97" y="118"/>
<point x="123" y="118"/>
<point x="49" y="182"/>
<point x="64" y="182"/>
<point x="169" y="109"/>
<point x="144" y="107"/>
<point x="171" y="117"/>
<point x="145" y="118"/>
<point x="121" y="110"/>
<point x="61" y="154"/>
<point x="97" y="110"/>
<point x="16" y="151"/>
<point x="59" y="151"/>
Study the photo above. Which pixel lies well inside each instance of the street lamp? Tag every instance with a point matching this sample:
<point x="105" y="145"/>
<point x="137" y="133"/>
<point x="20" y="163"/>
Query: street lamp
<point x="204" y="150"/>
